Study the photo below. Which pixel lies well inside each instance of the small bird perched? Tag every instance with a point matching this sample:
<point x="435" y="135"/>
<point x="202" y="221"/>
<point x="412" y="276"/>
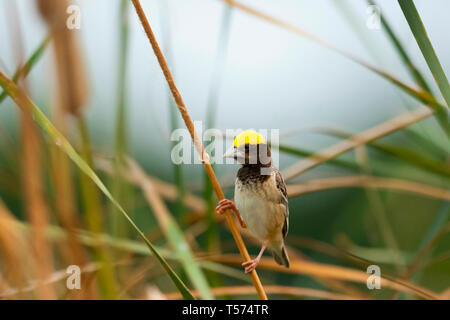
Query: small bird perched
<point x="260" y="196"/>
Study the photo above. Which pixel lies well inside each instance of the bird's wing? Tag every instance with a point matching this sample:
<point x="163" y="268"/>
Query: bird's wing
<point x="281" y="186"/>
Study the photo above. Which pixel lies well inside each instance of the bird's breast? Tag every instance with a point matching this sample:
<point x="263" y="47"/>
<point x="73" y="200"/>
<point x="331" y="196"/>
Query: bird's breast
<point x="259" y="208"/>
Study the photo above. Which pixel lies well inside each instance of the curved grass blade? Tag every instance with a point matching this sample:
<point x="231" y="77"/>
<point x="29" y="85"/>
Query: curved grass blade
<point x="419" y="32"/>
<point x="418" y="29"/>
<point x="304" y="153"/>
<point x="406" y="154"/>
<point x="373" y="50"/>
<point x="330" y="271"/>
<point x="167" y="190"/>
<point x="438" y="228"/>
<point x="172" y="230"/>
<point x="56" y="233"/>
<point x="373" y="182"/>
<point x="23" y="71"/>
<point x="275" y="289"/>
<point x="419" y="94"/>
<point x="24" y="103"/>
<point x="357" y="140"/>
<point x="415" y="73"/>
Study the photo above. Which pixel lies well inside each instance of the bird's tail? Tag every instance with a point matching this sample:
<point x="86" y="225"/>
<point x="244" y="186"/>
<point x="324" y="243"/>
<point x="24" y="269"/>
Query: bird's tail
<point x="280" y="256"/>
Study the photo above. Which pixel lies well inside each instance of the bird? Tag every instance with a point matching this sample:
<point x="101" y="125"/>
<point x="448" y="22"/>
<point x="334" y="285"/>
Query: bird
<point x="261" y="202"/>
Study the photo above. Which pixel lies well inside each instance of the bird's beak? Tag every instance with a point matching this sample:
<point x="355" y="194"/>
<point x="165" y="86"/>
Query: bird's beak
<point x="234" y="153"/>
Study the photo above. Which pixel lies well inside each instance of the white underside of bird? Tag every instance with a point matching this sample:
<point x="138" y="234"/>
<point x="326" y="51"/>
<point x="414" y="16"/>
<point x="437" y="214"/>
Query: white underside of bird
<point x="264" y="213"/>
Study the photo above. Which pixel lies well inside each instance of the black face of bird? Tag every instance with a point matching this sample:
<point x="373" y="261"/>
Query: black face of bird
<point x="248" y="154"/>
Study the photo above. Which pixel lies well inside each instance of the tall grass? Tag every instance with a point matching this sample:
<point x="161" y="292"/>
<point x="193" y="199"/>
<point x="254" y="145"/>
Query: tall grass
<point x="120" y="189"/>
<point x="420" y="34"/>
<point x="27" y="105"/>
<point x="56" y="211"/>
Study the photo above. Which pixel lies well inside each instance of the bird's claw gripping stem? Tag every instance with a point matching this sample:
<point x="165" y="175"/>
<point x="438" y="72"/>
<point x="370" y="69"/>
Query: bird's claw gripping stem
<point x="226" y="204"/>
<point x="251" y="264"/>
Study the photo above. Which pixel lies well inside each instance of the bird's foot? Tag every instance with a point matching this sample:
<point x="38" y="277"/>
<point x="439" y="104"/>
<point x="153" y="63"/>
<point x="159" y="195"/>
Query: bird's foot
<point x="251" y="265"/>
<point x="226" y="204"/>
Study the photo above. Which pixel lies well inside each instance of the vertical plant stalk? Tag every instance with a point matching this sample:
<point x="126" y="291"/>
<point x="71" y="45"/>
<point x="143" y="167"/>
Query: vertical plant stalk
<point x="72" y="97"/>
<point x="213" y="98"/>
<point x="173" y="110"/>
<point x="378" y="211"/>
<point x="197" y="142"/>
<point x="120" y="189"/>
<point x="16" y="253"/>
<point x="32" y="176"/>
<point x="418" y="29"/>
<point x="93" y="209"/>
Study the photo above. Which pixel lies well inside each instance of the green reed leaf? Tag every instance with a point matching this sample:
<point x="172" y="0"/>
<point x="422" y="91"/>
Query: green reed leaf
<point x="24" y="103"/>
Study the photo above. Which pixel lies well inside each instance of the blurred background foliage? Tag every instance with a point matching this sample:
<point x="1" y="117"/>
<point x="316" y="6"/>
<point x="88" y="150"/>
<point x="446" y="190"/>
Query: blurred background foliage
<point x="379" y="193"/>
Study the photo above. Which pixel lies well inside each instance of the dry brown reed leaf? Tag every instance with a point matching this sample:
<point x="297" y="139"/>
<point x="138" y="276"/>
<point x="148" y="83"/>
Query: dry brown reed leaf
<point x="65" y="207"/>
<point x="37" y="210"/>
<point x="193" y="231"/>
<point x="295" y="190"/>
<point x="328" y="249"/>
<point x="71" y="75"/>
<point x="54" y="278"/>
<point x="271" y="289"/>
<point x="197" y="142"/>
<point x="356" y="140"/>
<point x="15" y="250"/>
<point x="31" y="172"/>
<point x="151" y="194"/>
<point x="72" y="95"/>
<point x="136" y="277"/>
<point x="169" y="227"/>
<point x="334" y="284"/>
<point x="4" y="285"/>
<point x="167" y="190"/>
<point x="332" y="272"/>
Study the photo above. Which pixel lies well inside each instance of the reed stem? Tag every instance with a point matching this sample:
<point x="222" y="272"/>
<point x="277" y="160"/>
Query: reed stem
<point x="197" y="142"/>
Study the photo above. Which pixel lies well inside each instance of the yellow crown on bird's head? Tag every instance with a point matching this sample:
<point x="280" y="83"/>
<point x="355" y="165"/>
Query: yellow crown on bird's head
<point x="248" y="137"/>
